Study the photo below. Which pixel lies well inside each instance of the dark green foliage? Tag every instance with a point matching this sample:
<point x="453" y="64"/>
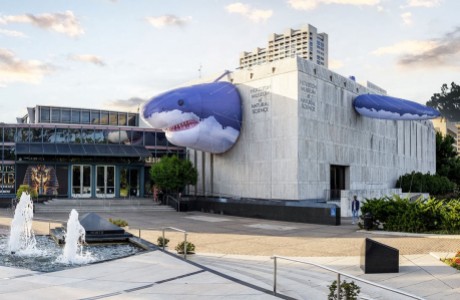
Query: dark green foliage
<point x="26" y="188"/>
<point x="190" y="248"/>
<point x="171" y="174"/>
<point x="348" y="290"/>
<point x="447" y="161"/>
<point x="425" y="183"/>
<point x="162" y="242"/>
<point x="118" y="222"/>
<point x="399" y="214"/>
<point x="447" y="102"/>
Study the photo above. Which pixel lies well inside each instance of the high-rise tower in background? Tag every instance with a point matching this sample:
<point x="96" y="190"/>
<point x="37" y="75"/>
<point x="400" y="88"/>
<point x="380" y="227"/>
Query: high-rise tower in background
<point x="305" y="42"/>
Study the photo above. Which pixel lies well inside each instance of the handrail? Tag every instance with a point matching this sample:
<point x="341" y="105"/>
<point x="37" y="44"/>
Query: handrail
<point x="163" y="235"/>
<point x="275" y="257"/>
<point x="185" y="238"/>
<point x="176" y="202"/>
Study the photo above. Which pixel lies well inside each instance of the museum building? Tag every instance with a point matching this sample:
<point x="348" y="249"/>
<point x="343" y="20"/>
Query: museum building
<point x="80" y="153"/>
<point x="302" y="139"/>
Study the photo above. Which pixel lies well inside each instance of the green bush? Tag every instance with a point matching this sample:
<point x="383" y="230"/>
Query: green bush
<point x="425" y="183"/>
<point x="348" y="290"/>
<point x="401" y="214"/>
<point x="26" y="188"/>
<point x="118" y="222"/>
<point x="161" y="241"/>
<point x="190" y="248"/>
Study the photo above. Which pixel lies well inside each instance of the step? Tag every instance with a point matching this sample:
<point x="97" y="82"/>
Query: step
<point x="84" y="209"/>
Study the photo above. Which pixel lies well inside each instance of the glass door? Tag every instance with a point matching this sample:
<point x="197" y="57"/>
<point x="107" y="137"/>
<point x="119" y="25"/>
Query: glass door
<point x="81" y="181"/>
<point x="129" y="182"/>
<point x="105" y="181"/>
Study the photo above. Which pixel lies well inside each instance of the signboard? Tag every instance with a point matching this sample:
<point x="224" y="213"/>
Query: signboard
<point x="7" y="181"/>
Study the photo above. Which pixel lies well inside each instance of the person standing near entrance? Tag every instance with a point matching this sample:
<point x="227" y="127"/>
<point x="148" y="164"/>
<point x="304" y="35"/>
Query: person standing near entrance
<point x="354" y="209"/>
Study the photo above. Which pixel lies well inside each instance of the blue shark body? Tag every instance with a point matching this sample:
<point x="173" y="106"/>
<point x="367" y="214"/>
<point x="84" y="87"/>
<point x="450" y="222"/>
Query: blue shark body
<point x="391" y="108"/>
<point x="204" y="117"/>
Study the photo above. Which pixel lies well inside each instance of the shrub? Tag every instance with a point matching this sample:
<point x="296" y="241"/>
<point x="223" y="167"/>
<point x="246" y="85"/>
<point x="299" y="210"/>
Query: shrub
<point x="163" y="242"/>
<point x="118" y="222"/>
<point x="348" y="290"/>
<point x="417" y="182"/>
<point x="26" y="188"/>
<point x="399" y="214"/>
<point x="190" y="248"/>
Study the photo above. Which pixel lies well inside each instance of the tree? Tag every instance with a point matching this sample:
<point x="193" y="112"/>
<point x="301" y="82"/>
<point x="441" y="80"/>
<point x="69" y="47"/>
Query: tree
<point x="447" y="161"/>
<point x="171" y="174"/>
<point x="447" y="102"/>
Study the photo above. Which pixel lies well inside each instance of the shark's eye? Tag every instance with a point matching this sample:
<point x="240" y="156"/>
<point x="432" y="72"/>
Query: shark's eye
<point x="180" y="102"/>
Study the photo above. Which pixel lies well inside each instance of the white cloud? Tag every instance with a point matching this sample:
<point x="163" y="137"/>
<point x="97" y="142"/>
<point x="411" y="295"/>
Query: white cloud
<point x="442" y="52"/>
<point x="423" y="3"/>
<point x="405" y="47"/>
<point x="255" y="15"/>
<point x="11" y="33"/>
<point x="88" y="58"/>
<point x="312" y="4"/>
<point x="65" y="23"/>
<point x="407" y="18"/>
<point x="12" y="69"/>
<point x="168" y="20"/>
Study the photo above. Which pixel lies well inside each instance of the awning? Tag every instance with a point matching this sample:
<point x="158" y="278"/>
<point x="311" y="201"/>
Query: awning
<point x="82" y="150"/>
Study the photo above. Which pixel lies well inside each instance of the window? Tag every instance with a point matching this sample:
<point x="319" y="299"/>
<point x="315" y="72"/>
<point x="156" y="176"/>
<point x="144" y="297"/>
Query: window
<point x="104" y="117"/>
<point x="94" y="117"/>
<point x="65" y="115"/>
<point x="55" y="115"/>
<point x="85" y="117"/>
<point x="75" y="118"/>
<point x="113" y="118"/>
<point x="44" y="115"/>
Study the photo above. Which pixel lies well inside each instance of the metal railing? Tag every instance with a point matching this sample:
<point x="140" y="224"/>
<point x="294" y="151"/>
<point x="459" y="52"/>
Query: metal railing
<point x="163" y="236"/>
<point x="175" y="201"/>
<point x="275" y="271"/>
<point x="178" y="230"/>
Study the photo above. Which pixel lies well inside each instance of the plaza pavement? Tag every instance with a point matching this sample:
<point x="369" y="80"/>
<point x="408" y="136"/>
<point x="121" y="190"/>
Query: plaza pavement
<point x="232" y="260"/>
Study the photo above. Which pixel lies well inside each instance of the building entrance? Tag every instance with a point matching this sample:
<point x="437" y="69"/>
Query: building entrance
<point x="81" y="181"/>
<point x="129" y="182"/>
<point x="105" y="181"/>
<point x="338" y="181"/>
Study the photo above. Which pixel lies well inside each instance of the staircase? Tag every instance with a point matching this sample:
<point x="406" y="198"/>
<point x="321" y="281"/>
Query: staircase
<point x="101" y="205"/>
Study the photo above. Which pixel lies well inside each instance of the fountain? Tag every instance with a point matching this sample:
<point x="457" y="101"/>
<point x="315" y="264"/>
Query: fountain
<point x="40" y="253"/>
<point x="74" y="239"/>
<point x="22" y="239"/>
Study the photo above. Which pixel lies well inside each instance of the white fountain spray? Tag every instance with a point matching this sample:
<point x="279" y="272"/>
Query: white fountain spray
<point x="74" y="239"/>
<point x="22" y="238"/>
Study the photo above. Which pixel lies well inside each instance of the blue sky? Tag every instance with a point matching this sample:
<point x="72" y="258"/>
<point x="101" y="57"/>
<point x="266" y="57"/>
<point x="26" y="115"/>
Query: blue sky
<point x="112" y="54"/>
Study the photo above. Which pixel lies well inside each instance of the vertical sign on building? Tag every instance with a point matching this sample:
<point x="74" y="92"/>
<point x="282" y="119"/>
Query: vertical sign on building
<point x="308" y="89"/>
<point x="7" y="179"/>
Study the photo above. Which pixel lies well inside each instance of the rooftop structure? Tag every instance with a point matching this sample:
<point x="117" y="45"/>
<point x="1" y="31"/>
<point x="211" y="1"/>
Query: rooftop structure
<point x="305" y="42"/>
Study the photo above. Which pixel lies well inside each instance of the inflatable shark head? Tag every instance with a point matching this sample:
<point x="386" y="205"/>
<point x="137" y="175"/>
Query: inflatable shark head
<point x="204" y="117"/>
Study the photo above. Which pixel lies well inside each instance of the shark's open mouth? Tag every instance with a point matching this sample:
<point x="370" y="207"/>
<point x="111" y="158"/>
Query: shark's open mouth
<point x="183" y="126"/>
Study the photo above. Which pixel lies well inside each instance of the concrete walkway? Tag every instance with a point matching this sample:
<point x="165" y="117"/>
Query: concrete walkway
<point x="239" y="248"/>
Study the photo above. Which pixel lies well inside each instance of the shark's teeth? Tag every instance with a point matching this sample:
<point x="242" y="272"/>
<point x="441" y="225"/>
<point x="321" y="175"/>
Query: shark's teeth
<point x="183" y="126"/>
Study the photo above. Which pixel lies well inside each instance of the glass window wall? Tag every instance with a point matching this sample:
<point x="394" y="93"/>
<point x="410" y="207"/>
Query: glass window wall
<point x="65" y="115"/>
<point x="85" y="116"/>
<point x="104" y="118"/>
<point x="36" y="135"/>
<point x="75" y="116"/>
<point x="55" y="115"/>
<point x="95" y="117"/>
<point x="44" y="114"/>
<point x="122" y="119"/>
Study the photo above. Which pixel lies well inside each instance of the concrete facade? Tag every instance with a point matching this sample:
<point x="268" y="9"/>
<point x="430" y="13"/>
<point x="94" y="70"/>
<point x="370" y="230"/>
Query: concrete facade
<point x="298" y="121"/>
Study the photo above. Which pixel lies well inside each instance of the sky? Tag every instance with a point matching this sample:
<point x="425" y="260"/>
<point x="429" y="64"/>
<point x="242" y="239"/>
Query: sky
<point x="115" y="54"/>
